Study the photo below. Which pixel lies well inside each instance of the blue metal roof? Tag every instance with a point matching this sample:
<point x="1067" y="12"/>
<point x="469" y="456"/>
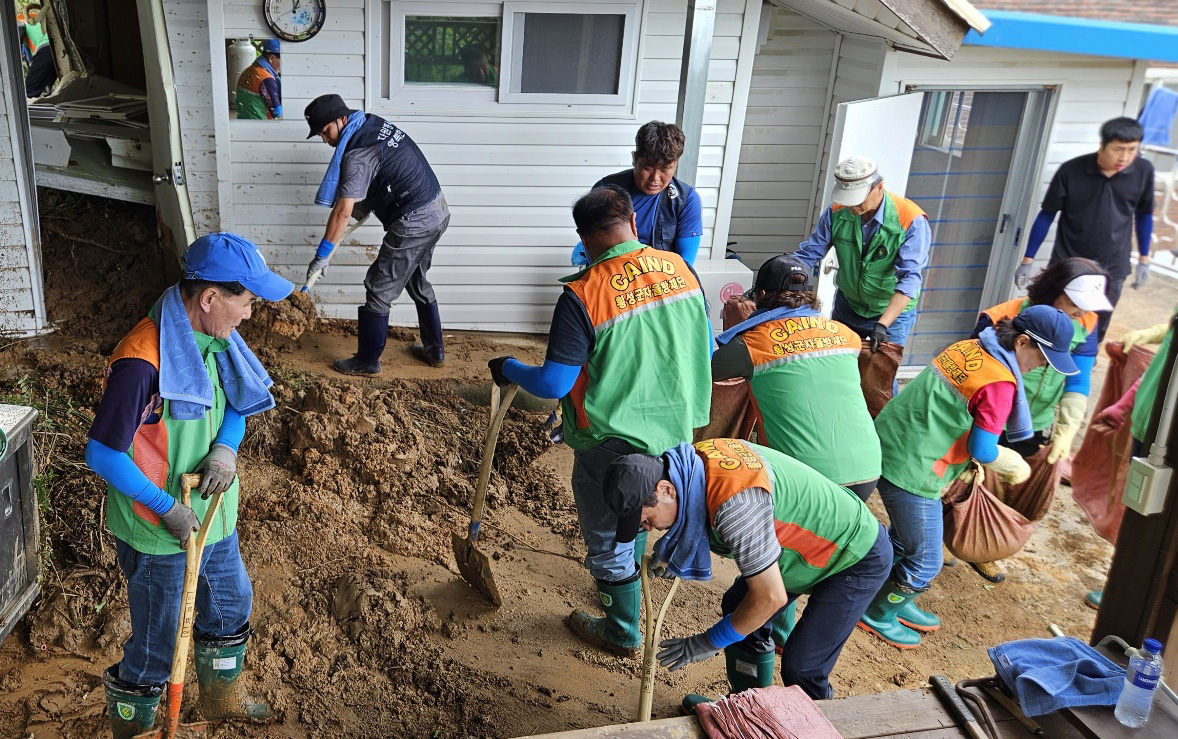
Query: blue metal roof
<point x="1077" y="36"/>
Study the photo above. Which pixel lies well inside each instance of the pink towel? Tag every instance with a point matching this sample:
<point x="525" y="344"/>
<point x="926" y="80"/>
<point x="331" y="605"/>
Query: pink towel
<point x="766" y="713"/>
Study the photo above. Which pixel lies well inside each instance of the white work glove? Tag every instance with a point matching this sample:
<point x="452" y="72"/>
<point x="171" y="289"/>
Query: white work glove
<point x="217" y="470"/>
<point x="675" y="654"/>
<point x="1151" y="335"/>
<point x="1140" y="275"/>
<point x="180" y="522"/>
<point x="1022" y="275"/>
<point x="1010" y="466"/>
<point x="1069" y="415"/>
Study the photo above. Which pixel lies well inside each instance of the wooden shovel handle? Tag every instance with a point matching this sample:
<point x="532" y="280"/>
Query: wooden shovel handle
<point x="651" y="639"/>
<point x="500" y="402"/>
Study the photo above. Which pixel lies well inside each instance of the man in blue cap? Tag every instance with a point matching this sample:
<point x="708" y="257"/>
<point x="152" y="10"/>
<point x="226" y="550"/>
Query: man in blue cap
<point x="178" y="389"/>
<point x="259" y="88"/>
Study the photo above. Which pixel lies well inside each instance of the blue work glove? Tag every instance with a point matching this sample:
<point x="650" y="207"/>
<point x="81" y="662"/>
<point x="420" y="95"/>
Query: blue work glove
<point x="675" y="654"/>
<point x="322" y="257"/>
<point x="580" y="257"/>
<point x="1140" y="275"/>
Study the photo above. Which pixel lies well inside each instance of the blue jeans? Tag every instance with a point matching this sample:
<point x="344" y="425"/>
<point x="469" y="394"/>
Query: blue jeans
<point x="224" y="598"/>
<point x="607" y="559"/>
<point x="835" y="605"/>
<point x="897" y="332"/>
<point x="916" y="532"/>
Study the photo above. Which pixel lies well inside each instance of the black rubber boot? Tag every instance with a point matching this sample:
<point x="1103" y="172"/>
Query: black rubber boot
<point x="130" y="708"/>
<point x="372" y="331"/>
<point x="218" y="666"/>
<point x="431" y="348"/>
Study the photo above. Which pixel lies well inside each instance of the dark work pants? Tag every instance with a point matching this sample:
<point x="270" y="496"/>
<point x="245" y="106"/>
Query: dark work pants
<point x="831" y="613"/>
<point x="1113" y="291"/>
<point x="405" y="257"/>
<point x="42" y="73"/>
<point x="863" y="489"/>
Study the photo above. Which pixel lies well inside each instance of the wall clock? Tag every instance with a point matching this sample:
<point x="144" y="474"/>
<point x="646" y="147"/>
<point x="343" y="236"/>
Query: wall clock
<point x="294" y="20"/>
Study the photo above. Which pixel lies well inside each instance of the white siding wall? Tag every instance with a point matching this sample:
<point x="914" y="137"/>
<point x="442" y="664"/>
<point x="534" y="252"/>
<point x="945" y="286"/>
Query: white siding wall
<point x="783" y="134"/>
<point x="510" y="182"/>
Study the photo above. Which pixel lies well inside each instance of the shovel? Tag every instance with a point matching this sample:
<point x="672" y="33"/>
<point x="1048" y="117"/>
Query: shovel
<point x="314" y="277"/>
<point x="651" y="639"/>
<point x="473" y="564"/>
<point x="196" y="545"/>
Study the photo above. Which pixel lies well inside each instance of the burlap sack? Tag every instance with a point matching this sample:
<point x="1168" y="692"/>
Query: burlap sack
<point x="877" y="374"/>
<point x="736" y="310"/>
<point x="732" y="415"/>
<point x="978" y="526"/>
<point x="1033" y="497"/>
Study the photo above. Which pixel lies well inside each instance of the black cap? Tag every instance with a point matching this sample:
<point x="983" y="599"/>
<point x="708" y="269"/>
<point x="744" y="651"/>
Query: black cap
<point x="323" y="110"/>
<point x="629" y="481"/>
<point x="777" y="275"/>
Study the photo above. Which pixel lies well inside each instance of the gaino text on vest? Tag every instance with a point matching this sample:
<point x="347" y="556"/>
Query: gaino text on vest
<point x="731" y="457"/>
<point x="783" y="335"/>
<point x="971" y="355"/>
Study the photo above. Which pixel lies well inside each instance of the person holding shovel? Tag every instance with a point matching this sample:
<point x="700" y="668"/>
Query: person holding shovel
<point x="1077" y="287"/>
<point x="952" y="413"/>
<point x="178" y="389"/>
<point x="789" y="530"/>
<point x="377" y="163"/>
<point x="628" y="357"/>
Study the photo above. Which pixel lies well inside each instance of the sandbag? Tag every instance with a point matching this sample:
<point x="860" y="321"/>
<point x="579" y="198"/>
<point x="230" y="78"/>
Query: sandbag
<point x="732" y="415"/>
<point x="737" y="310"/>
<point x="1033" y="497"/>
<point x="1101" y="465"/>
<point x="877" y="374"/>
<point x="978" y="526"/>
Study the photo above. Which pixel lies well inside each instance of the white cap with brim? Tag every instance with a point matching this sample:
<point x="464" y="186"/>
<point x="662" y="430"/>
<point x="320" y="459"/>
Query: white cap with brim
<point x="853" y="178"/>
<point x="1087" y="292"/>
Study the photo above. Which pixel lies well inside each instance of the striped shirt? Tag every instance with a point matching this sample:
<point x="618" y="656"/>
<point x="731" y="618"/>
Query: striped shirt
<point x="745" y="523"/>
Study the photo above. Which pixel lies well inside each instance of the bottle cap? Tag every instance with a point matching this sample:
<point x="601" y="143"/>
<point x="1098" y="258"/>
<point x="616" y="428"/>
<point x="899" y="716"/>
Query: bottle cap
<point x="1152" y="645"/>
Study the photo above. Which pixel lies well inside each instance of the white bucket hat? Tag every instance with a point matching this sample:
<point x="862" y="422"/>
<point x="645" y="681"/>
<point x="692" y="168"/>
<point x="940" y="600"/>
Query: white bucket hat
<point x="853" y="178"/>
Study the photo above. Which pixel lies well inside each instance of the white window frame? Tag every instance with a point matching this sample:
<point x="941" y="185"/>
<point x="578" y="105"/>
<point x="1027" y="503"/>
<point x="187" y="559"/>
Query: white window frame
<point x="386" y="92"/>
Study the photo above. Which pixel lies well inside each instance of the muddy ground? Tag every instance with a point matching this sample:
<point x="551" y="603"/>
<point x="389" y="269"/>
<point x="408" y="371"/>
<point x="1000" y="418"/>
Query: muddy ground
<point x="351" y="489"/>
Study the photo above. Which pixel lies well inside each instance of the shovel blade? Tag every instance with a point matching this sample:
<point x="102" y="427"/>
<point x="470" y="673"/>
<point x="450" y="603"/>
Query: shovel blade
<point x="475" y="568"/>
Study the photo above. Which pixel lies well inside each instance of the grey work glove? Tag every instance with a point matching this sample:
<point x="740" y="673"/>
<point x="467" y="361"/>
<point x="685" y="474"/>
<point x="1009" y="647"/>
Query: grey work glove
<point x="1022" y="275"/>
<point x="217" y="470"/>
<point x="1140" y="275"/>
<point x="181" y="522"/>
<point x="317" y="264"/>
<point x="658" y="568"/>
<point x="675" y="654"/>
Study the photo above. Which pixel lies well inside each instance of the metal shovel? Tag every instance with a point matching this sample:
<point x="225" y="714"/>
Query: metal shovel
<point x="473" y="564"/>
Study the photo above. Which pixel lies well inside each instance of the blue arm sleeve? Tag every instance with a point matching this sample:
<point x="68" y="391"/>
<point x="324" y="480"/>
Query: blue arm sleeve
<point x="983" y="445"/>
<point x="550" y="380"/>
<point x="1144" y="224"/>
<point x="117" y="469"/>
<point x="1039" y="231"/>
<point x="1081" y="382"/>
<point x="687" y="247"/>
<point x="232" y="429"/>
<point x="814" y="248"/>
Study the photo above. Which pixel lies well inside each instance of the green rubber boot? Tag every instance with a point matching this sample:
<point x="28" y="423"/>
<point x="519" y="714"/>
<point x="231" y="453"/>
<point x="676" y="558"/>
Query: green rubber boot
<point x="618" y="631"/>
<point x="218" y="666"/>
<point x="1093" y="598"/>
<point x="915" y="618"/>
<point x="746" y="670"/>
<point x="639" y="547"/>
<point x="881" y="617"/>
<point x="130" y="708"/>
<point x="783" y="624"/>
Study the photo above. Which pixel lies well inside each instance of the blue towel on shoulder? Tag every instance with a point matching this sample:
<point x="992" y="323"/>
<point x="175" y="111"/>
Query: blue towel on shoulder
<point x="1018" y="423"/>
<point x="685" y="545"/>
<point x="1158" y="116"/>
<point x="183" y="378"/>
<point x="326" y="195"/>
<point x="1049" y="674"/>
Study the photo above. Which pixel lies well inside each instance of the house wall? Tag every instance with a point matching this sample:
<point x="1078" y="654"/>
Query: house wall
<point x="510" y="181"/>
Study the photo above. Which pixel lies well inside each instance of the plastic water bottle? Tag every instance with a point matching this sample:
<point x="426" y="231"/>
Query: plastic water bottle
<point x="1141" y="682"/>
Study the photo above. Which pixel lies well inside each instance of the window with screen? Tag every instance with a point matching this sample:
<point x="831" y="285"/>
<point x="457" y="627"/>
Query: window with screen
<point x="570" y="53"/>
<point x="451" y="50"/>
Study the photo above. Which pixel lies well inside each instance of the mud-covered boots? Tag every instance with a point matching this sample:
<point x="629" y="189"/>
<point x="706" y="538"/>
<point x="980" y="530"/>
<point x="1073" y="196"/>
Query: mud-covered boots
<point x="746" y="670"/>
<point x="130" y="708"/>
<point x="431" y="349"/>
<point x="618" y="631"/>
<point x="372" y="331"/>
<point x="218" y="666"/>
<point x="882" y="616"/>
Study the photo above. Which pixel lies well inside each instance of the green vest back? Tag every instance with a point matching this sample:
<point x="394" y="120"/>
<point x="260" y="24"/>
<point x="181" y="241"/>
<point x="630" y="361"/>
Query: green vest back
<point x="249" y="101"/>
<point x="868" y="280"/>
<point x="648" y="380"/>
<point x="1147" y="391"/>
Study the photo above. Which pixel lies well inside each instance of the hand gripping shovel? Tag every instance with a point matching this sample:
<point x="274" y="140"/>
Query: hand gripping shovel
<point x="196" y="545"/>
<point x="473" y="564"/>
<point x="650" y="642"/>
<point x="310" y="283"/>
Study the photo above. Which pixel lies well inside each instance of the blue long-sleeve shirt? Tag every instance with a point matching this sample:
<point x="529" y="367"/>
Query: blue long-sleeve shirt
<point x="910" y="260"/>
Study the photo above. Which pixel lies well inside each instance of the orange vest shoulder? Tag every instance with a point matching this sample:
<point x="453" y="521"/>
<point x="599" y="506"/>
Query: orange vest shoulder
<point x="906" y="210"/>
<point x="968" y="368"/>
<point x="1009" y="309"/>
<point x="1089" y="321"/>
<point x="142" y="343"/>
<point x="730" y="466"/>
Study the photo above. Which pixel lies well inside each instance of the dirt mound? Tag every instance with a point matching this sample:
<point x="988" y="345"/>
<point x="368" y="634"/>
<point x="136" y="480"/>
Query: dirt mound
<point x="279" y="324"/>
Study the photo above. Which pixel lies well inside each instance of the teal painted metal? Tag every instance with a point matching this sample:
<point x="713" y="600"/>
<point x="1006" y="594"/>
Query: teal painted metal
<point x="1077" y="36"/>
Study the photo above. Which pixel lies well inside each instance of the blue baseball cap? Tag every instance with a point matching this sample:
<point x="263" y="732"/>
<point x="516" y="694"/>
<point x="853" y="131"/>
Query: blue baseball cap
<point x="226" y="257"/>
<point x="271" y="46"/>
<point x="1051" y="330"/>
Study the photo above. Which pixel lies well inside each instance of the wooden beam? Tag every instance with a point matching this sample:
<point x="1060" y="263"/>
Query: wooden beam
<point x="934" y="23"/>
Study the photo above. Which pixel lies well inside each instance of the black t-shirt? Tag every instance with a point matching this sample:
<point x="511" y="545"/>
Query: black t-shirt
<point x="1098" y="212"/>
<point x="571" y="338"/>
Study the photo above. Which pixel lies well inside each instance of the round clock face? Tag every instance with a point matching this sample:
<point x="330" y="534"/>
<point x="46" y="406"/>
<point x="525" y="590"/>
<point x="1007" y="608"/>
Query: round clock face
<point x="295" y="20"/>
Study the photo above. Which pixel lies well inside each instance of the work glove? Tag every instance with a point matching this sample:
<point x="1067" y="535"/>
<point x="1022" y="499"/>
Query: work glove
<point x="1151" y="335"/>
<point x="360" y="210"/>
<point x="879" y="334"/>
<point x="658" y="567"/>
<point x="496" y="367"/>
<point x="1010" y="466"/>
<point x="180" y="522"/>
<point x="217" y="470"/>
<point x="675" y="654"/>
<point x="1069" y="415"/>
<point x="580" y="257"/>
<point x="1022" y="275"/>
<point x="1140" y="275"/>
<point x="1115" y="415"/>
<point x="318" y="264"/>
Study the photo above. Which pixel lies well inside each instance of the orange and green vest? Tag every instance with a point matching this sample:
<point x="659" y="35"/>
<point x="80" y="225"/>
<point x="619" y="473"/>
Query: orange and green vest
<point x="648" y="380"/>
<point x="823" y="528"/>
<point x="1147" y="391"/>
<point x="806" y="390"/>
<point x="250" y="103"/>
<point x="1043" y="385"/>
<point x="868" y="280"/>
<point x="924" y="431"/>
<point x="167" y="449"/>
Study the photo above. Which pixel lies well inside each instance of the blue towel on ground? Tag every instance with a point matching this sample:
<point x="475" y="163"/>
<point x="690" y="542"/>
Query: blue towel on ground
<point x="685" y="545"/>
<point x="183" y="378"/>
<point x="325" y="196"/>
<point x="1049" y="674"/>
<point x="763" y="316"/>
<point x="1018" y="423"/>
<point x="1157" y="117"/>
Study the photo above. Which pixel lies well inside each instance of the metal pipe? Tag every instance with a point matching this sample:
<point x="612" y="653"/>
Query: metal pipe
<point x="693" y="82"/>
